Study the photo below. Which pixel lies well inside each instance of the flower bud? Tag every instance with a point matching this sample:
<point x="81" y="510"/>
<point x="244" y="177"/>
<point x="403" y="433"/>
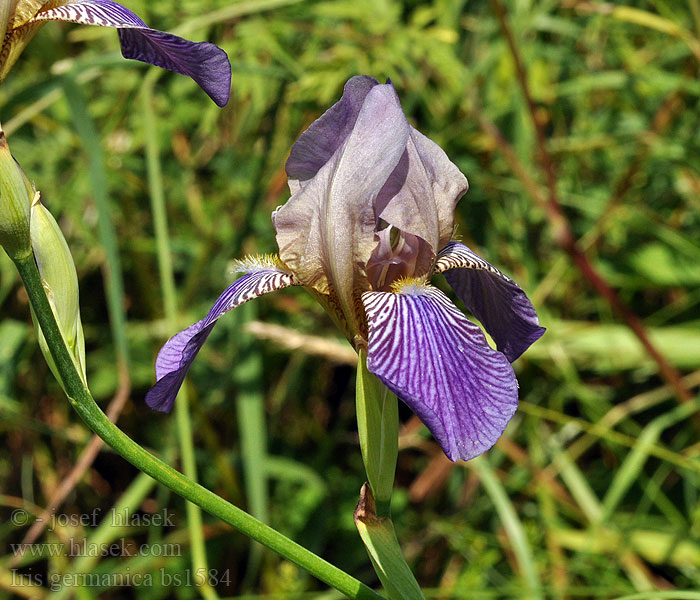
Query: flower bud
<point x="60" y="282"/>
<point x="15" y="203"/>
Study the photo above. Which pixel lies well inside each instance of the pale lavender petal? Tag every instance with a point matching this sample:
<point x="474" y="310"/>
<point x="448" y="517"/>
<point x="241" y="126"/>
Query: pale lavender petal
<point x="496" y="300"/>
<point x="326" y="231"/>
<point x="326" y="134"/>
<point x="205" y="63"/>
<point x="178" y="353"/>
<point x="439" y="363"/>
<point x="421" y="194"/>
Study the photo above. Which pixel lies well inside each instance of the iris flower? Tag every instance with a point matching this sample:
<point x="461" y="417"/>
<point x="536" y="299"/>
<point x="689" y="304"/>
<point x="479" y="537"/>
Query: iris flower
<point x="369" y="222"/>
<point x="206" y="63"/>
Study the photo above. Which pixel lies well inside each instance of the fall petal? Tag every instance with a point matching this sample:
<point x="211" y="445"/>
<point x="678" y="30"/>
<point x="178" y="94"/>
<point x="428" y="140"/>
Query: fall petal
<point x="439" y="363"/>
<point x="496" y="300"/>
<point x="178" y="353"/>
<point x="205" y="63"/>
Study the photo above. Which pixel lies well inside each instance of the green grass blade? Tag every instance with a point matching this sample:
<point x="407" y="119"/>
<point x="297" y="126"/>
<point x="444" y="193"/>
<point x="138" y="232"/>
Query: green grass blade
<point x="513" y="526"/>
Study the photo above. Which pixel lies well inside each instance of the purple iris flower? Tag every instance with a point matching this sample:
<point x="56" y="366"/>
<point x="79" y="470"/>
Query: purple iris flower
<point x="369" y="222"/>
<point x="206" y="63"/>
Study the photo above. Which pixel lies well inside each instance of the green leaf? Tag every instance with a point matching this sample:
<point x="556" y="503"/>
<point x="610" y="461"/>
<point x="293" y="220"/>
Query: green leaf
<point x="379" y="538"/>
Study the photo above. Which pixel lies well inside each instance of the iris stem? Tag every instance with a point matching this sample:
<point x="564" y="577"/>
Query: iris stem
<point x="82" y="401"/>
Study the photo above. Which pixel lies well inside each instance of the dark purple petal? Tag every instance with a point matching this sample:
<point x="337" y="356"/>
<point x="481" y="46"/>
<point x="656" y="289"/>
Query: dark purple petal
<point x="439" y="363"/>
<point x="326" y="134"/>
<point x="178" y="353"/>
<point x="173" y="362"/>
<point x="205" y="63"/>
<point x="496" y="300"/>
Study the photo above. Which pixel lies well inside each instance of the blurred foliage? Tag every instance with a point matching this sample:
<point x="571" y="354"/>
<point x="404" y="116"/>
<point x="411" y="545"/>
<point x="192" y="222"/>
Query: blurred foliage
<point x="592" y="493"/>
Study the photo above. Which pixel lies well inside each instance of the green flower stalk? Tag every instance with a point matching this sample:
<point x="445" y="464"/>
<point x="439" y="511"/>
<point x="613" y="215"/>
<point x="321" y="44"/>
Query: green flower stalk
<point x="379" y="537"/>
<point x="15" y="204"/>
<point x="57" y="270"/>
<point x="378" y="429"/>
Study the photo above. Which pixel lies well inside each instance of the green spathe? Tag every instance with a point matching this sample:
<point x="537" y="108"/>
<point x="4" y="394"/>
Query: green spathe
<point x="378" y="428"/>
<point x="379" y="537"/>
<point x="60" y="281"/>
<point x="15" y="203"/>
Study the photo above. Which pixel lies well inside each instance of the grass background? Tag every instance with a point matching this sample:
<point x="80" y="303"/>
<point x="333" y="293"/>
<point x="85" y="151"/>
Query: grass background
<point x="593" y="490"/>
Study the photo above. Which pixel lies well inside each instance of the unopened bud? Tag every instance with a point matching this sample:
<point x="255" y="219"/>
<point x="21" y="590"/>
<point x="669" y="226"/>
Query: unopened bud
<point x="15" y="203"/>
<point x="60" y="279"/>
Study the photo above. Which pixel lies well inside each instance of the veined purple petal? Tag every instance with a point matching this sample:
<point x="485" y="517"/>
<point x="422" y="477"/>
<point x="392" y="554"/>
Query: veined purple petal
<point x="439" y="363"/>
<point x="326" y="134"/>
<point x="205" y="63"/>
<point x="104" y="13"/>
<point x="496" y="300"/>
<point x="173" y="362"/>
<point x="178" y="353"/>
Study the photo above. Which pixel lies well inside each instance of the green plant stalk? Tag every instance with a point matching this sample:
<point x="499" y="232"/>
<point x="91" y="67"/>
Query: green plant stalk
<point x="379" y="537"/>
<point x="378" y="428"/>
<point x="81" y="399"/>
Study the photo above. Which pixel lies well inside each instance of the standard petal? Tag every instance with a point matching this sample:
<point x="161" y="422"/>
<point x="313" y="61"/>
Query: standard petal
<point x="326" y="231"/>
<point x="325" y="135"/>
<point x="439" y="363"/>
<point x="496" y="300"/>
<point x="205" y="63"/>
<point x="421" y="194"/>
<point x="178" y="353"/>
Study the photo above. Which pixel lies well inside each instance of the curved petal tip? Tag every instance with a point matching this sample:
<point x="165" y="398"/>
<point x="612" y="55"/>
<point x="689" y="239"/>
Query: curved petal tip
<point x="496" y="300"/>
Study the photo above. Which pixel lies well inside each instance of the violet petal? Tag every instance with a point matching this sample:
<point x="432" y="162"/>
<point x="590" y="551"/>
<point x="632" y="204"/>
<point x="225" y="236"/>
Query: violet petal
<point x="178" y="353"/>
<point x="205" y="63"/>
<point x="326" y="134"/>
<point x="496" y="300"/>
<point x="173" y="362"/>
<point x="439" y="363"/>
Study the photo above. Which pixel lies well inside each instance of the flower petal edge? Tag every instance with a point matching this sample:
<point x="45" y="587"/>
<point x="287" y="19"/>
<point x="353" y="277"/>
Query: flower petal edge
<point x="493" y="298"/>
<point x="205" y="63"/>
<point x="179" y="352"/>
